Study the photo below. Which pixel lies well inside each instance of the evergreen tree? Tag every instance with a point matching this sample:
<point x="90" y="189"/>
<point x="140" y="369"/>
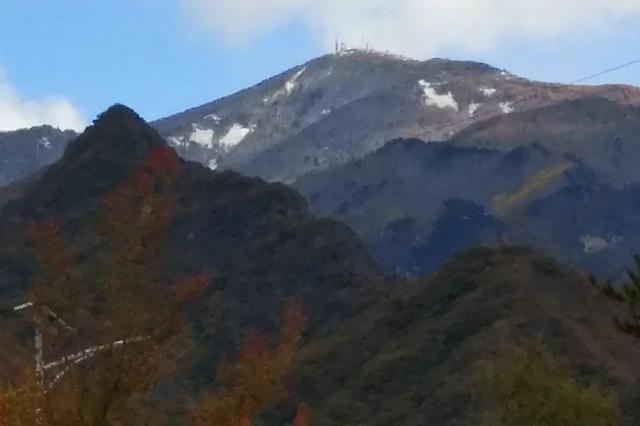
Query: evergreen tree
<point x="626" y="294"/>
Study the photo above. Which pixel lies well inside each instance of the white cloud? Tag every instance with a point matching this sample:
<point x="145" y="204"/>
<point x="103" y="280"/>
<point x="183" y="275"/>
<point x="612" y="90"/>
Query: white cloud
<point x="417" y="28"/>
<point x="241" y="21"/>
<point x="17" y="113"/>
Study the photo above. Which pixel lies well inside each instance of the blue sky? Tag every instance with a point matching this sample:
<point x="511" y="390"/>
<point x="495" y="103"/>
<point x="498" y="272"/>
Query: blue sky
<point x="163" y="56"/>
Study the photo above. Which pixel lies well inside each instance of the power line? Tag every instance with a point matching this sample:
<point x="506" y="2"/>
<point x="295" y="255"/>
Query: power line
<point x="607" y="71"/>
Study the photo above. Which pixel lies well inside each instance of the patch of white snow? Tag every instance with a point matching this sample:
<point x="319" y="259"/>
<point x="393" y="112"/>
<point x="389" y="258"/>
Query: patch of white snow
<point x="290" y="85"/>
<point x="45" y="142"/>
<point x="213" y="117"/>
<point x="213" y="164"/>
<point x="235" y="135"/>
<point x="506" y="75"/>
<point x="488" y="91"/>
<point x="176" y="141"/>
<point x="431" y="98"/>
<point x="473" y="108"/>
<point x="325" y="112"/>
<point x="202" y="137"/>
<point x="593" y="244"/>
<point x="288" y="88"/>
<point x="506" y="107"/>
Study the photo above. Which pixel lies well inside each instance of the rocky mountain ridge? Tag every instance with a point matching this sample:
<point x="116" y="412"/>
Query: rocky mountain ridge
<point x="337" y="108"/>
<point x="22" y="152"/>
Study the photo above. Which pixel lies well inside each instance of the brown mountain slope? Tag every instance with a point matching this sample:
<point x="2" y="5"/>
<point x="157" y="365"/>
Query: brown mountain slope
<point x="605" y="135"/>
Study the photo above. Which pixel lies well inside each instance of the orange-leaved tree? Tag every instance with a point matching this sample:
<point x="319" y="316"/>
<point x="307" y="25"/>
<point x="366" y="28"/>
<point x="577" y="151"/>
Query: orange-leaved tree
<point x="18" y="405"/>
<point x="302" y="415"/>
<point x="256" y="380"/>
<point x="106" y="326"/>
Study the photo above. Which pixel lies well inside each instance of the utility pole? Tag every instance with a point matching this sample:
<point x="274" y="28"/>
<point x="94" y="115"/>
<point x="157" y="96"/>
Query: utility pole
<point x="64" y="363"/>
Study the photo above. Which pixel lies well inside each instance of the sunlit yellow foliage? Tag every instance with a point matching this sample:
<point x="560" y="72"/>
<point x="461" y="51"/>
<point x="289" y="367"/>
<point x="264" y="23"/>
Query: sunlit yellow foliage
<point x="529" y="387"/>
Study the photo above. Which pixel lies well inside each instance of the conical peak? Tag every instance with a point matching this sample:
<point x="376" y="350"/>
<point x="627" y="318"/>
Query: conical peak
<point x="119" y="130"/>
<point x="118" y="112"/>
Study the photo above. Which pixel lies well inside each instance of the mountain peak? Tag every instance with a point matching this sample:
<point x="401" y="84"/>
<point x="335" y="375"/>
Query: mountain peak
<point x="119" y="130"/>
<point x="109" y="151"/>
<point x="371" y="55"/>
<point x="118" y="112"/>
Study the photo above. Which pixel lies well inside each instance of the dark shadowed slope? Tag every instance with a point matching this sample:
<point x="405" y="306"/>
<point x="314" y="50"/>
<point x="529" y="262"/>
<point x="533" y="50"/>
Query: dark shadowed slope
<point x="415" y="203"/>
<point x="409" y="360"/>
<point x="257" y="240"/>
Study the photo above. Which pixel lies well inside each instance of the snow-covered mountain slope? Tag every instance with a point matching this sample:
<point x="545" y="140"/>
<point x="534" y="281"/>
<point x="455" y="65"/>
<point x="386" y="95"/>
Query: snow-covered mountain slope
<point x="334" y="109"/>
<point x="339" y="107"/>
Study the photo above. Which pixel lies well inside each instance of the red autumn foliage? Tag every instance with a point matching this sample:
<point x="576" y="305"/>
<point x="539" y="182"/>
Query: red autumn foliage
<point x="49" y="247"/>
<point x="302" y="415"/>
<point x="143" y="183"/>
<point x="163" y="162"/>
<point x="134" y="222"/>
<point x="46" y="228"/>
<point x="131" y="307"/>
<point x="257" y="380"/>
<point x="17" y="404"/>
<point x="190" y="288"/>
